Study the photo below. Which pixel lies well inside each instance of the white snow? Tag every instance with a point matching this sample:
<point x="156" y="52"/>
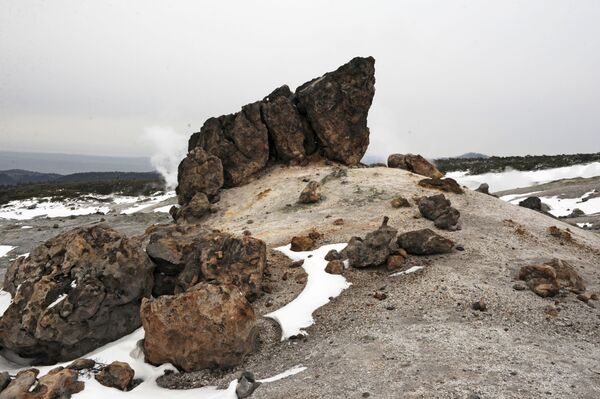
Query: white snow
<point x="57" y="300"/>
<point x="511" y="179"/>
<point x="408" y="271"/>
<point x="148" y="202"/>
<point x="19" y="209"/>
<point x="5" y="249"/>
<point x="164" y="209"/>
<point x="561" y="206"/>
<point x="26" y="227"/>
<point x="126" y="350"/>
<point x="320" y="286"/>
<point x="582" y="225"/>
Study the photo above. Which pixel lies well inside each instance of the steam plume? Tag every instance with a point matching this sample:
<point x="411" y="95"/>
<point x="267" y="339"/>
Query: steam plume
<point x="170" y="148"/>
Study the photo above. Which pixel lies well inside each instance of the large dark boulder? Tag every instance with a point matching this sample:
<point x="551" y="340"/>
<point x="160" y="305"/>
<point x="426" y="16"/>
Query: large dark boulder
<point x="337" y="105"/>
<point x="415" y="164"/>
<point x="424" y="242"/>
<point x="439" y="210"/>
<point x="239" y="140"/>
<point x="75" y="293"/>
<point x="188" y="254"/>
<point x="199" y="173"/>
<point x="209" y="326"/>
<point x="373" y="250"/>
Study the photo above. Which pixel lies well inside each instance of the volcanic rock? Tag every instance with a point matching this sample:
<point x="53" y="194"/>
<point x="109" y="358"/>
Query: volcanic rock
<point x="208" y="326"/>
<point x="424" y="242"/>
<point x="246" y="385"/>
<point x="400" y="202"/>
<point x="116" y="375"/>
<point x="82" y="364"/>
<point x="483" y="188"/>
<point x="333" y="255"/>
<point x="311" y="193"/>
<point x="534" y="203"/>
<point x="302" y="243"/>
<point x="195" y="209"/>
<point x="437" y="208"/>
<point x="187" y="255"/>
<point x="373" y="250"/>
<point x="447" y="184"/>
<point x="336" y="106"/>
<point x="415" y="164"/>
<point x="548" y="278"/>
<point x="199" y="172"/>
<point x="335" y="267"/>
<point x="75" y="293"/>
<point x="59" y="383"/>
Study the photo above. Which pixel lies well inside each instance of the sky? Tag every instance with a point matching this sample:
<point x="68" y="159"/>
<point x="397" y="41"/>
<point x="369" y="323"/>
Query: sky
<point x="497" y="77"/>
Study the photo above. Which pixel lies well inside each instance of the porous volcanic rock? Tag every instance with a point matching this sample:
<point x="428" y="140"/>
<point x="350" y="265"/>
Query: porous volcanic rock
<point x="302" y="243"/>
<point x="546" y="279"/>
<point x="208" y="326"/>
<point x="439" y="210"/>
<point x="195" y="209"/>
<point x="188" y="254"/>
<point x="75" y="293"/>
<point x="373" y="250"/>
<point x="116" y="375"/>
<point x="199" y="172"/>
<point x="447" y="184"/>
<point x="424" y="242"/>
<point x="59" y="383"/>
<point x="534" y="203"/>
<point x="337" y="105"/>
<point x="335" y="267"/>
<point x="311" y="193"/>
<point x="415" y="164"/>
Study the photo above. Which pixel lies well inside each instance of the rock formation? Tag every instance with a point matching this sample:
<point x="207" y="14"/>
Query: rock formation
<point x="187" y="254"/>
<point x="373" y="250"/>
<point x="208" y="326"/>
<point x="449" y="185"/>
<point x="546" y="279"/>
<point x="326" y="117"/>
<point x="439" y="210"/>
<point x="415" y="164"/>
<point x="75" y="293"/>
<point x="424" y="242"/>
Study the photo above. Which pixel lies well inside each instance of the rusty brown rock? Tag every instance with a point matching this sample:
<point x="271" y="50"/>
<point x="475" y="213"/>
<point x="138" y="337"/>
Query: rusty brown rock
<point x="415" y="164"/>
<point x="424" y="242"/>
<point x="400" y="202"/>
<point x="394" y="262"/>
<point x="447" y="184"/>
<point x="335" y="267"/>
<point x="208" y="326"/>
<point x="59" y="383"/>
<point x="302" y="243"/>
<point x="82" y="364"/>
<point x="116" y="375"/>
<point x="199" y="172"/>
<point x="373" y="250"/>
<point x="311" y="193"/>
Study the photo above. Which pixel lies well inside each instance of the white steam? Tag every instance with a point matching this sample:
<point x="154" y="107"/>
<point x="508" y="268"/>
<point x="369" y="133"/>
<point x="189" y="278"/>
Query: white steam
<point x="170" y="147"/>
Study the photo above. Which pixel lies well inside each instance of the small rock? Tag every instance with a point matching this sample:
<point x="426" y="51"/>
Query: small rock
<point x="479" y="305"/>
<point x="315" y="235"/>
<point x="338" y="222"/>
<point x="584" y="297"/>
<point x="400" y="202"/>
<point x="483" y="188"/>
<point x="534" y="203"/>
<point x="302" y="243"/>
<point x="519" y="287"/>
<point x="246" y="385"/>
<point x="116" y="375"/>
<point x="415" y="164"/>
<point x="55" y="226"/>
<point x="296" y="264"/>
<point x="333" y="255"/>
<point x="366" y="394"/>
<point x="459" y="248"/>
<point x="394" y="262"/>
<point x="447" y="184"/>
<point x="269" y="302"/>
<point x="301" y="278"/>
<point x="424" y="242"/>
<point x="82" y="364"/>
<point x="380" y="295"/>
<point x="373" y="250"/>
<point x="311" y="193"/>
<point x="335" y="267"/>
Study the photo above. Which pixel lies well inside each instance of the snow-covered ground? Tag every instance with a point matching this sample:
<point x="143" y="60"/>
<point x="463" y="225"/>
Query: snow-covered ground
<point x="37" y="207"/>
<point x="5" y="249"/>
<point x="512" y="179"/>
<point x="126" y="349"/>
<point x="320" y="286"/>
<point x="561" y="206"/>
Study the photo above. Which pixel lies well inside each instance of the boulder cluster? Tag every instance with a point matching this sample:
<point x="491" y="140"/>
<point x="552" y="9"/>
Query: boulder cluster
<point x="324" y="118"/>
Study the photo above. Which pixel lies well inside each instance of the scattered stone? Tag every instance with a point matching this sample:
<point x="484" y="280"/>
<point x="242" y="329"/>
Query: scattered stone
<point x="373" y="250"/>
<point x="188" y="254"/>
<point x="58" y="383"/>
<point x="296" y="264"/>
<point x="335" y="267"/>
<point x="311" y="193"/>
<point x="301" y="278"/>
<point x="302" y="243"/>
<point x="400" y="202"/>
<point x="395" y="262"/>
<point x="194" y="210"/>
<point x="447" y="184"/>
<point x="338" y="222"/>
<point x="547" y="279"/>
<point x="116" y="375"/>
<point x="246" y="385"/>
<point x="55" y="226"/>
<point x="576" y="213"/>
<point x="415" y="164"/>
<point x="380" y="295"/>
<point x="483" y="188"/>
<point x="584" y="297"/>
<point x="82" y="364"/>
<point x="519" y="287"/>
<point x="479" y="305"/>
<point x="208" y="326"/>
<point x="534" y="203"/>
<point x="76" y="294"/>
<point x="333" y="255"/>
<point x="563" y="235"/>
<point x="315" y="235"/>
<point x="438" y="209"/>
<point x="424" y="242"/>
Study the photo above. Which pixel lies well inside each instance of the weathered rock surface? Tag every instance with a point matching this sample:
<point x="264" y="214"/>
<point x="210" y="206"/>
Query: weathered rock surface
<point x="208" y="326"/>
<point x="400" y="202"/>
<point x="415" y="164"/>
<point x="75" y="293"/>
<point x="327" y="115"/>
<point x="302" y="243"/>
<point x="548" y="278"/>
<point x="337" y="105"/>
<point x="424" y="242"/>
<point x="187" y="254"/>
<point x="199" y="172"/>
<point x="532" y="203"/>
<point x="447" y="184"/>
<point x="311" y="193"/>
<point x="373" y="250"/>
<point x="439" y="210"/>
<point x="195" y="209"/>
<point x="335" y="267"/>
<point x="116" y="375"/>
<point x="59" y="383"/>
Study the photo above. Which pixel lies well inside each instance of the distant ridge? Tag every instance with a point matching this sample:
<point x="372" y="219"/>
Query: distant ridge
<point x="14" y="177"/>
<point x="473" y="155"/>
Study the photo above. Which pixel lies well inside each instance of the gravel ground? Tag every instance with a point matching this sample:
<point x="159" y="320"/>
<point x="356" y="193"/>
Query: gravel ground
<point x="424" y="340"/>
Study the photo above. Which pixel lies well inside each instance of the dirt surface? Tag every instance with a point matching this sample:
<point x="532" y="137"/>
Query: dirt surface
<point x="424" y="340"/>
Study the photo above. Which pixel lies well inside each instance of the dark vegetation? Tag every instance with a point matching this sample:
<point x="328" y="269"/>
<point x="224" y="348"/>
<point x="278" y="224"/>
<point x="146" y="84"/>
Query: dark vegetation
<point x="84" y="184"/>
<point x="477" y="166"/>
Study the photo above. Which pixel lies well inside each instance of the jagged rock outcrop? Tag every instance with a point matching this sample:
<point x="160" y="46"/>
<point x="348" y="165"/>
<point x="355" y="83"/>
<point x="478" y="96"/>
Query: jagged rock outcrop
<point x="415" y="164"/>
<point x="188" y="254"/>
<point x="326" y="116"/>
<point x="208" y="326"/>
<point x="75" y="293"/>
<point x="439" y="210"/>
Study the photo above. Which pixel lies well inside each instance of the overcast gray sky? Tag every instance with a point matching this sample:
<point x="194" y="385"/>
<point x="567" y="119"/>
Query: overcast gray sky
<point x="499" y="77"/>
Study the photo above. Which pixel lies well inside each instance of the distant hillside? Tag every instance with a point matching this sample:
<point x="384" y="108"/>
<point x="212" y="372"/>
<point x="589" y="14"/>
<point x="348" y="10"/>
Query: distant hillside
<point x="473" y="155"/>
<point x="18" y="176"/>
<point x="71" y="163"/>
<point x="477" y="166"/>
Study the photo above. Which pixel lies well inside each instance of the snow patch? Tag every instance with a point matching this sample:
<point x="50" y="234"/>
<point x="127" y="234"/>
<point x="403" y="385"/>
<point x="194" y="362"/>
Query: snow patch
<point x="148" y="203"/>
<point x="407" y="271"/>
<point x="57" y="301"/>
<point x="320" y="286"/>
<point x="5" y="300"/>
<point x="5" y="249"/>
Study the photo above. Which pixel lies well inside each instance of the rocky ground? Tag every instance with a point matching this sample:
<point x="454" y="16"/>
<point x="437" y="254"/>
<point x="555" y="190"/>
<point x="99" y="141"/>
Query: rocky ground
<point x="423" y="339"/>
